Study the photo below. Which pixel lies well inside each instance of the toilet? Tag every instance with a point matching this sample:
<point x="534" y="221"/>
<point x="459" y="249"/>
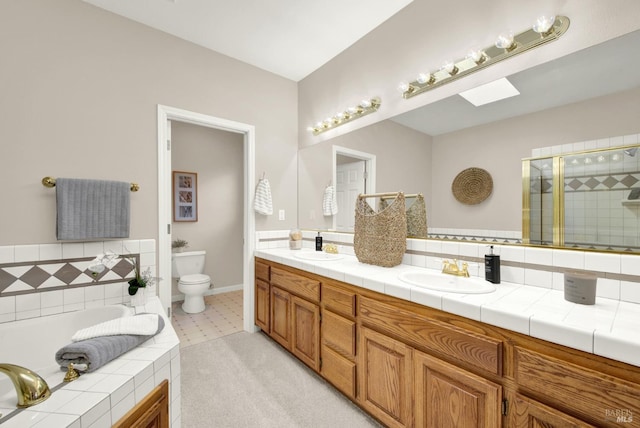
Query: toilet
<point x="188" y="267"/>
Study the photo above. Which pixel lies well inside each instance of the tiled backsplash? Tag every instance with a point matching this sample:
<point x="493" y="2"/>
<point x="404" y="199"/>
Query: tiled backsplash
<point x="45" y="279"/>
<point x="618" y="274"/>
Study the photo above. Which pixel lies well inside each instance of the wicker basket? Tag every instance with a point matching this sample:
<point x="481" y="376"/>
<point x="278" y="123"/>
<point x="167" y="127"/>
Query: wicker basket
<point x="380" y="237"/>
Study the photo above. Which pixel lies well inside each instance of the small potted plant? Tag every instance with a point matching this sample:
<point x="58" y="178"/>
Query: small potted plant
<point x="178" y="245"/>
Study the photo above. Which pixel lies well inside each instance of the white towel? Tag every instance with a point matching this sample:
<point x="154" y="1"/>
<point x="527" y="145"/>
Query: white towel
<point x="143" y="324"/>
<point x="329" y="202"/>
<point x="262" y="203"/>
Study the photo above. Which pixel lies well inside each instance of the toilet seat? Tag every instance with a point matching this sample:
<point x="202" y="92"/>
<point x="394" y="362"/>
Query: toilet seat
<point x="196" y="278"/>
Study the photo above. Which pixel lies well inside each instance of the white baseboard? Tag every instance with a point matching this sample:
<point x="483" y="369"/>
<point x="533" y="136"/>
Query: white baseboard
<point x="210" y="292"/>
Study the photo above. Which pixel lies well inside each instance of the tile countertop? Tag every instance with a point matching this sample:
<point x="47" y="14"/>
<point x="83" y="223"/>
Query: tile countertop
<point x="609" y="328"/>
<point x="99" y="399"/>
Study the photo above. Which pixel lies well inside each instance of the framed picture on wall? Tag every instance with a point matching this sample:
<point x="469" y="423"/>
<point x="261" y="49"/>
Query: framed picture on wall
<point x="185" y="200"/>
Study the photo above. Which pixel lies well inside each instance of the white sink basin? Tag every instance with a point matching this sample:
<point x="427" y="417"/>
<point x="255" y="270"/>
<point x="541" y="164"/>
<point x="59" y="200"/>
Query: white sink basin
<point x="449" y="283"/>
<point x="317" y="256"/>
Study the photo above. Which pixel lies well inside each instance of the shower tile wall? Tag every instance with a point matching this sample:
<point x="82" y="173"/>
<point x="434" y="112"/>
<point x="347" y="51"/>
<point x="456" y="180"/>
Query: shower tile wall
<point x="596" y="189"/>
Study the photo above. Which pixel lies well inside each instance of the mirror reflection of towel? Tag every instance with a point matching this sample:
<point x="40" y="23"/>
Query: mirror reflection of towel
<point x="329" y="202"/>
<point x="262" y="203"/>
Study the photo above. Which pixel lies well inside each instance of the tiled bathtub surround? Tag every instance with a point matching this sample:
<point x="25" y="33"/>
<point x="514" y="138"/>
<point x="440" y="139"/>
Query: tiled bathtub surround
<point x="72" y="289"/>
<point x="618" y="274"/>
<point x="99" y="399"/>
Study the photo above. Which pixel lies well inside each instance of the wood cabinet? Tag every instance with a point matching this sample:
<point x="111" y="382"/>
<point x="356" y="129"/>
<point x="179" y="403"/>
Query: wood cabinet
<point x="385" y="373"/>
<point x="409" y="365"/>
<point x="151" y="412"/>
<point x="280" y="329"/>
<point x="263" y="297"/>
<point x="527" y="413"/>
<point x="287" y="306"/>
<point x="449" y="397"/>
<point x="339" y="337"/>
<point x="305" y="325"/>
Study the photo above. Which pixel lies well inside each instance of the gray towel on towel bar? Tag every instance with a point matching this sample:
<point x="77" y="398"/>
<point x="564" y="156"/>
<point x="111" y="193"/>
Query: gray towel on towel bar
<point x="99" y="351"/>
<point x="89" y="209"/>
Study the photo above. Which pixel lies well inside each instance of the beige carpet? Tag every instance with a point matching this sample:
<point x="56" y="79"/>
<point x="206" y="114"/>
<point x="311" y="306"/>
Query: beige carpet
<point x="247" y="380"/>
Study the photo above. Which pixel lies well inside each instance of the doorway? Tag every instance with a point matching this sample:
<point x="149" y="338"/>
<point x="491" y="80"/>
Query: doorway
<point x="165" y="116"/>
<point x="354" y="172"/>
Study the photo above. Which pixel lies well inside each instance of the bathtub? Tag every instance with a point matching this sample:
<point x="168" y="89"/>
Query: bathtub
<point x="32" y="343"/>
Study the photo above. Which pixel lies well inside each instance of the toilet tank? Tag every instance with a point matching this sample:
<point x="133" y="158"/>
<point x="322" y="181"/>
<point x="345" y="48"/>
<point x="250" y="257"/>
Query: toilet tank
<point x="187" y="263"/>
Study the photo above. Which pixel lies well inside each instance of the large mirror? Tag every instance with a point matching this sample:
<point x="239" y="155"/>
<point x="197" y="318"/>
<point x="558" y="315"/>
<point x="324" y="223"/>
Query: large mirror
<point x="591" y="95"/>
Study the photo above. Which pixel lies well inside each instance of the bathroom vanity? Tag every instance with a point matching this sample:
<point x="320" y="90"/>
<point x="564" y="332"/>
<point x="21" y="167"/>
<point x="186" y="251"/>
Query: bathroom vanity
<point x="411" y="365"/>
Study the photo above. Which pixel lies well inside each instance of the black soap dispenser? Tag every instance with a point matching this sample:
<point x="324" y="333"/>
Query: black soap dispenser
<point x="492" y="267"/>
<point x="318" y="242"/>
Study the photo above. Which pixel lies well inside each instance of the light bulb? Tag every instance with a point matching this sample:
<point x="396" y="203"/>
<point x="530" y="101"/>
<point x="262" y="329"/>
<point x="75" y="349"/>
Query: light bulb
<point x="601" y="158"/>
<point x="365" y="103"/>
<point x="425" y="78"/>
<point x="544" y="24"/>
<point x="403" y="87"/>
<point x="588" y="161"/>
<point x="477" y="55"/>
<point x="615" y="157"/>
<point x="505" y="41"/>
<point x="352" y="110"/>
<point x="319" y="125"/>
<point x="449" y="67"/>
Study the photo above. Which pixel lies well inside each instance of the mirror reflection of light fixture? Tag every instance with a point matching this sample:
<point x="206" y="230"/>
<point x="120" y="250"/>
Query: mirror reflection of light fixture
<point x="546" y="29"/>
<point x="365" y="107"/>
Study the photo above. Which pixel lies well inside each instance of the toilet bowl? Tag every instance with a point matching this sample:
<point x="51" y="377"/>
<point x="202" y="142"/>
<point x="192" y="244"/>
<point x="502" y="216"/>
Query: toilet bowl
<point x="188" y="267"/>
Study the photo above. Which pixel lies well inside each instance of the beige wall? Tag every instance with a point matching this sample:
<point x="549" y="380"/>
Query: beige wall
<point x="80" y="88"/>
<point x="422" y="36"/>
<point x="217" y="157"/>
<point x="403" y="158"/>
<point x="499" y="148"/>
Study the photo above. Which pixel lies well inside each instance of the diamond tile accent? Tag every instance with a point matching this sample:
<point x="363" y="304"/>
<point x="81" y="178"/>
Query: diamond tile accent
<point x="575" y="184"/>
<point x="68" y="273"/>
<point x="592" y="183"/>
<point x="123" y="268"/>
<point x="629" y="180"/>
<point x="35" y="276"/>
<point x="6" y="279"/>
<point x="610" y="182"/>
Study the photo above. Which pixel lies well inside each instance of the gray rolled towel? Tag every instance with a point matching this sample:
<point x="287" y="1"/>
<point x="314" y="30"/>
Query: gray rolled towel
<point x="98" y="351"/>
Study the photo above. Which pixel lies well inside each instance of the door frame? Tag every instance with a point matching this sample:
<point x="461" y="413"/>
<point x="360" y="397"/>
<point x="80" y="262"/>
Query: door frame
<point x="370" y="167"/>
<point x="165" y="114"/>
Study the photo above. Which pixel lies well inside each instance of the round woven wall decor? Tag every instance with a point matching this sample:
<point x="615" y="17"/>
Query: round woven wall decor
<point x="472" y="186"/>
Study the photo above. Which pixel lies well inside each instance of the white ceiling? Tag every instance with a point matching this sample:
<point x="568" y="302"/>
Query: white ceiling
<point x="291" y="38"/>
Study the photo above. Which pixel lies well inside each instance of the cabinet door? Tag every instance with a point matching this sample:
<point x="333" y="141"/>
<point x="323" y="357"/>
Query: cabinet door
<point x="447" y="396"/>
<point x="262" y="305"/>
<point x="528" y="413"/>
<point x="151" y="412"/>
<point x="281" y="317"/>
<point x="385" y="377"/>
<point x="305" y="324"/>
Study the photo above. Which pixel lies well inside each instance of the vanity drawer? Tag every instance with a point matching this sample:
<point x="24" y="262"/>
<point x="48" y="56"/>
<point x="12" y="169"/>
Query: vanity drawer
<point x="472" y="348"/>
<point x="591" y="394"/>
<point x="262" y="271"/>
<point x="338" y="299"/>
<point x="339" y="371"/>
<point x="296" y="284"/>
<point x="339" y="333"/>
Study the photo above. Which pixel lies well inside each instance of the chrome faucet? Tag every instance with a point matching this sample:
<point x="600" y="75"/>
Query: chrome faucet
<point x="30" y="387"/>
<point x="452" y="268"/>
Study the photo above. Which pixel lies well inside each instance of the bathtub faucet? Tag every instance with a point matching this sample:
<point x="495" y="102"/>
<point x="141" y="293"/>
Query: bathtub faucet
<point x="30" y="387"/>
